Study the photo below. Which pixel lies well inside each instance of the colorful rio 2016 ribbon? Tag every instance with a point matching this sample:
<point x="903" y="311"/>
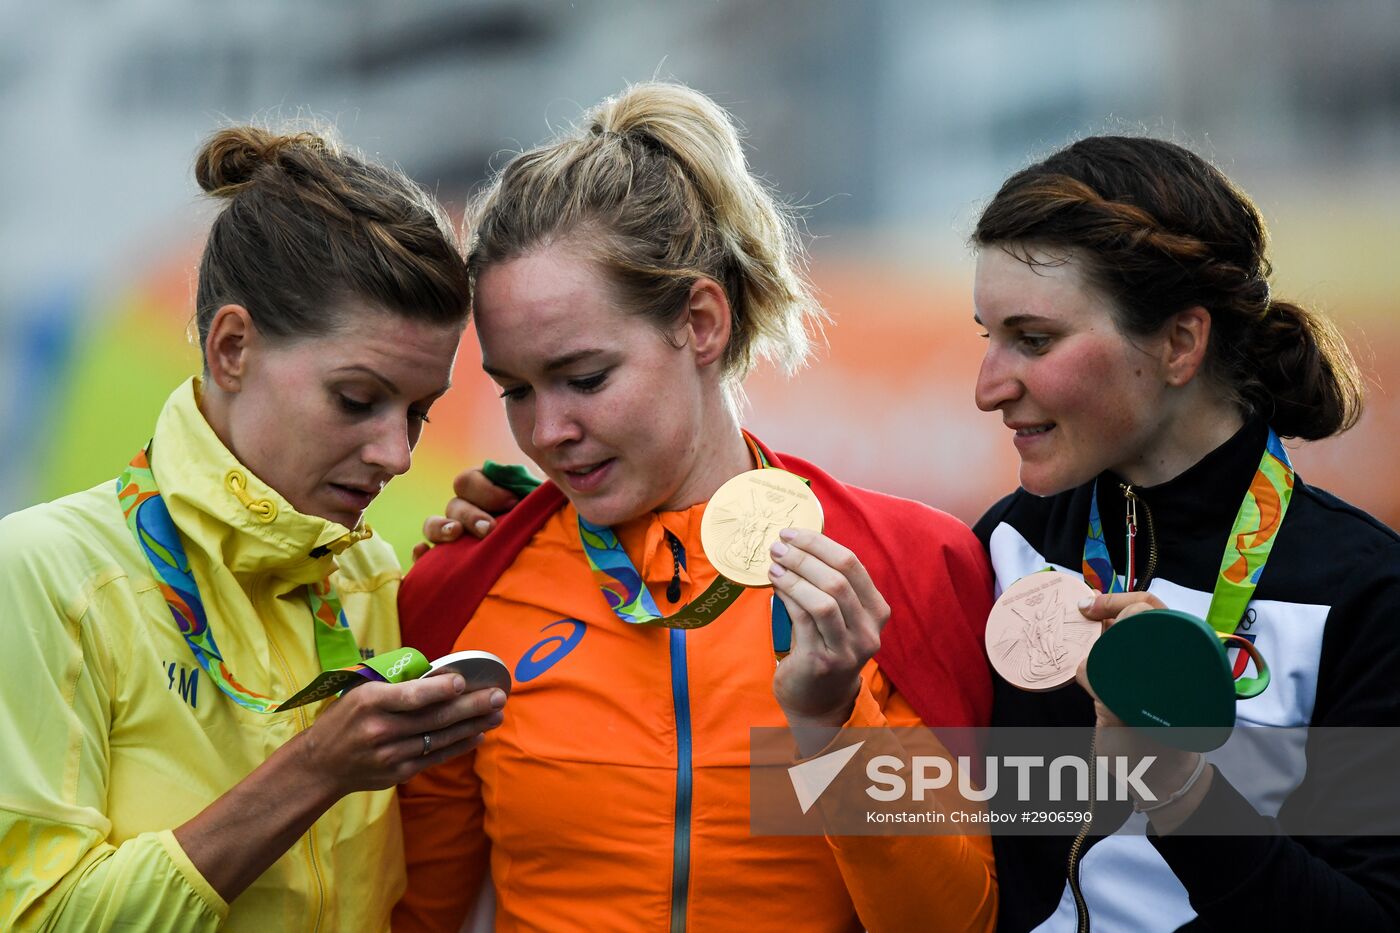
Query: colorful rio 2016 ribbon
<point x="150" y="523"/>
<point x="630" y="600"/>
<point x="1246" y="549"/>
<point x="628" y="596"/>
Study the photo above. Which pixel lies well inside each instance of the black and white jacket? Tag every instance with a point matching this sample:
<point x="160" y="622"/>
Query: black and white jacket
<point x="1326" y="616"/>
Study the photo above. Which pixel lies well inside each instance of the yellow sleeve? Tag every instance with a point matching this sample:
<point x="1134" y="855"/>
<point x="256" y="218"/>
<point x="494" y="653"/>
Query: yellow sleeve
<point x="929" y="882"/>
<point x="61" y="877"/>
<point x="60" y="871"/>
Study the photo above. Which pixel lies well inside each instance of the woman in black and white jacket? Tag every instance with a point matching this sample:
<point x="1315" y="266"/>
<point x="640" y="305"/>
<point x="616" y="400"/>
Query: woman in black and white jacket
<point x="1136" y="351"/>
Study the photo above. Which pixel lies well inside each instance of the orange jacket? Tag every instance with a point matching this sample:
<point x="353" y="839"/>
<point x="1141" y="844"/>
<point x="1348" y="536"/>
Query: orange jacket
<point x="615" y="795"/>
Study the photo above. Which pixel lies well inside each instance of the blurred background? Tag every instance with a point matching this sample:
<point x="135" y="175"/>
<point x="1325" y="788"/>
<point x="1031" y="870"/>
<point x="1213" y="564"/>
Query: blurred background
<point x="889" y="121"/>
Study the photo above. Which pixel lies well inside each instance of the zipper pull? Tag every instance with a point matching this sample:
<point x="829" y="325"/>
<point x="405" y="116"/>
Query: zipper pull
<point x="673" y="589"/>
<point x="1131" y="515"/>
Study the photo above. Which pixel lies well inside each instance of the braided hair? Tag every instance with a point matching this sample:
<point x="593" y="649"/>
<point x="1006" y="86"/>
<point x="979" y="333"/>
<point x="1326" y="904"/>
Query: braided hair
<point x="308" y="225"/>
<point x="1159" y="230"/>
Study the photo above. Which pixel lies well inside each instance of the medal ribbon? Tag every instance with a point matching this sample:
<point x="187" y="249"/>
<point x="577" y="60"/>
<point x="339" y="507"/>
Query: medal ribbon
<point x="630" y="600"/>
<point x="1246" y="549"/>
<point x="150" y="523"/>
<point x="627" y="594"/>
<point x="1098" y="566"/>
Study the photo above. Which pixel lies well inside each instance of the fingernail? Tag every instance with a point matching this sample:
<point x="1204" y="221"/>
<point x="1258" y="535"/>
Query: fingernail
<point x="776" y="571"/>
<point x="482" y="526"/>
<point x="495" y="719"/>
<point x="459" y="685"/>
<point x="787" y="534"/>
<point x="498" y="699"/>
<point x="1085" y="603"/>
<point x="779" y="549"/>
<point x="449" y="528"/>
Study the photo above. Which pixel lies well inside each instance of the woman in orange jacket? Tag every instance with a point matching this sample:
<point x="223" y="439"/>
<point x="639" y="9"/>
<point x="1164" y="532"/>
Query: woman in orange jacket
<point x="628" y="276"/>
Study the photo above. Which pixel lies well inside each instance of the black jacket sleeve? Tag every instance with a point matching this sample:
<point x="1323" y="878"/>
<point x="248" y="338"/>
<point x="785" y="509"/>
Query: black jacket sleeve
<point x="1270" y="880"/>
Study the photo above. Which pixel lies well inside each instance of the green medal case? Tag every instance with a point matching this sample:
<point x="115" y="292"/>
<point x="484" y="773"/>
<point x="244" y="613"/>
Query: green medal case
<point x="1165" y="668"/>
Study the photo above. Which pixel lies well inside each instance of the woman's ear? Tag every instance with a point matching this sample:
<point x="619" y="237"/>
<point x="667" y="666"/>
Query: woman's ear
<point x="1188" y="337"/>
<point x="231" y="335"/>
<point x="709" y="320"/>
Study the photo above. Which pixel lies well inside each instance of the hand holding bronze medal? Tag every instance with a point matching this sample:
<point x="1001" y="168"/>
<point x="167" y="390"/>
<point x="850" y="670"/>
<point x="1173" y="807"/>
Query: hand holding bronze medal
<point x="1166" y="668"/>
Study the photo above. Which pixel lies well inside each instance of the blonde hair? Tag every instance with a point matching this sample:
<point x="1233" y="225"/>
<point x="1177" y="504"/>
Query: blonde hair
<point x="653" y="185"/>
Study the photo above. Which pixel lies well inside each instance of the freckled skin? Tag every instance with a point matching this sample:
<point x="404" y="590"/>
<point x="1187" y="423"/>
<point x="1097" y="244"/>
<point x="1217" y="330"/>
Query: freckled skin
<point x="1055" y="357"/>
<point x="288" y="422"/>
<point x="654" y="416"/>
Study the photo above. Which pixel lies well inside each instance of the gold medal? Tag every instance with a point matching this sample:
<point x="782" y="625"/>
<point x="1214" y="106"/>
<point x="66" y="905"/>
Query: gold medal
<point x="744" y="517"/>
<point x="1036" y="635"/>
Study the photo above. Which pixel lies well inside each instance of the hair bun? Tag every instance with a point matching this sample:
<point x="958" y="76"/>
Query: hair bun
<point x="232" y="156"/>
<point x="1306" y="374"/>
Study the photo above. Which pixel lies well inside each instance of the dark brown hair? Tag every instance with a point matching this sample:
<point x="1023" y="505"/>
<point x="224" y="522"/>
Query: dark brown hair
<point x="654" y="187"/>
<point x="308" y="225"/>
<point x="1158" y="229"/>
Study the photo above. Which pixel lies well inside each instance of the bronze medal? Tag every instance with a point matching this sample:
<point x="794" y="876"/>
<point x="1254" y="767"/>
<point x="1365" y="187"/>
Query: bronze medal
<point x="744" y="517"/>
<point x="1036" y="636"/>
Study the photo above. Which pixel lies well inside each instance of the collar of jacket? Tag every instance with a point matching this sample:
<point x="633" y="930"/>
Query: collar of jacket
<point x="224" y="510"/>
<point x="643" y="537"/>
<point x="1200" y="500"/>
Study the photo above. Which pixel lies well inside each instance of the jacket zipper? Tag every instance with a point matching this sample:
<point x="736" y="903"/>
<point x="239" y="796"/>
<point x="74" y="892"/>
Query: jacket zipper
<point x="1134" y="503"/>
<point x="1076" y="848"/>
<point x="303" y="723"/>
<point x="680" y="860"/>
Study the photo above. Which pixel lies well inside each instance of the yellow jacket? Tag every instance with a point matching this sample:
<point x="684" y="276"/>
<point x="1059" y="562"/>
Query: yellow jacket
<point x="112" y="735"/>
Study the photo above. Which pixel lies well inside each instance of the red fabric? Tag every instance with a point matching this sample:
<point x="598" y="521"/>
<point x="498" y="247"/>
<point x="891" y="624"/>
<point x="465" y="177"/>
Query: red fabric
<point x="441" y="592"/>
<point x="931" y="649"/>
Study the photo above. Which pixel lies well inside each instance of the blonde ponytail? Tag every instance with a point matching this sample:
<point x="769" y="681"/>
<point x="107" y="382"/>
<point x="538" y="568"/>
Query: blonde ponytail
<point x="653" y="184"/>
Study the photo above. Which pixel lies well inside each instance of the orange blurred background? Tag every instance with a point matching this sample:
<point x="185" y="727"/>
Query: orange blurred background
<point x="886" y="403"/>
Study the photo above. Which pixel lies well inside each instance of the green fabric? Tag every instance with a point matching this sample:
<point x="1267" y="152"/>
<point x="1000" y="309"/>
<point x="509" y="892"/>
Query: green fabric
<point x="511" y="476"/>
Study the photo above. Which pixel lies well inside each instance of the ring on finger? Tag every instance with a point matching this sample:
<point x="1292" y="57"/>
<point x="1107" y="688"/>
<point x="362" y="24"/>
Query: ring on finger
<point x="427" y="743"/>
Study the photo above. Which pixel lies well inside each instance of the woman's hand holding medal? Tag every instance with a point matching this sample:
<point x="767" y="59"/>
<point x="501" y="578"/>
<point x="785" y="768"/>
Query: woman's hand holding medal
<point x="373" y="737"/>
<point x="379" y="735"/>
<point x="1173" y="768"/>
<point x="837" y="615"/>
<point x="836" y="611"/>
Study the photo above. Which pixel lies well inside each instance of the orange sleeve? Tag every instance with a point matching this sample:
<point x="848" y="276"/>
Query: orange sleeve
<point x="931" y="882"/>
<point x="445" y="846"/>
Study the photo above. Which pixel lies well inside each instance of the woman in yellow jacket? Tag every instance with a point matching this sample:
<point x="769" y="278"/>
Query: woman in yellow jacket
<point x="154" y="626"/>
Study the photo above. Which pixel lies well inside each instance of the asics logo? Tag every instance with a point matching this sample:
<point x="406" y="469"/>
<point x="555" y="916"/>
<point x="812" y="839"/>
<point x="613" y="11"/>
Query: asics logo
<point x="548" y="652"/>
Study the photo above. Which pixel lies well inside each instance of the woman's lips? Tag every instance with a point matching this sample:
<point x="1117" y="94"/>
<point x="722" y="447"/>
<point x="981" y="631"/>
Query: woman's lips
<point x="352" y="497"/>
<point x="1032" y="436"/>
<point x="589" y="478"/>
